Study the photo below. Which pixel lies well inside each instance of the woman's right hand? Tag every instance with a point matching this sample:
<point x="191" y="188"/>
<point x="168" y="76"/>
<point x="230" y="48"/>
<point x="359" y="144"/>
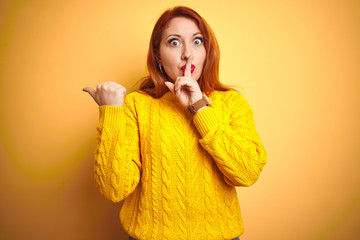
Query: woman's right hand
<point x="107" y="93"/>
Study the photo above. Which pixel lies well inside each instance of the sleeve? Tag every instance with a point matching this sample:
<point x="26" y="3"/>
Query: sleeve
<point x="117" y="155"/>
<point x="235" y="146"/>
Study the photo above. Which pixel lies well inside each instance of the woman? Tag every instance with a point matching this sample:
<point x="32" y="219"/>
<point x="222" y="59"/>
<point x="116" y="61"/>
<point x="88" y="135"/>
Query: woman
<point x="176" y="149"/>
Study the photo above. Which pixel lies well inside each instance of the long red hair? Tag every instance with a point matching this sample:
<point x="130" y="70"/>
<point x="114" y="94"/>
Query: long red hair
<point x="154" y="84"/>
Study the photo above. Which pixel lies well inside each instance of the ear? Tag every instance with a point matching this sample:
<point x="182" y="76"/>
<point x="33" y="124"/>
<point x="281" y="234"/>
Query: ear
<point x="158" y="59"/>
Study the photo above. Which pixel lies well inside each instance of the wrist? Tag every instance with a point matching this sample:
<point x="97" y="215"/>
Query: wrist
<point x="198" y="105"/>
<point x="200" y="109"/>
<point x="196" y="99"/>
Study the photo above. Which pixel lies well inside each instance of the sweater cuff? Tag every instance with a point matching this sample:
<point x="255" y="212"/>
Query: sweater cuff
<point x="206" y="120"/>
<point x="110" y="116"/>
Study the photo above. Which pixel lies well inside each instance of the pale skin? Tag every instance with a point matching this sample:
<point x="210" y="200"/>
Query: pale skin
<point x="181" y="44"/>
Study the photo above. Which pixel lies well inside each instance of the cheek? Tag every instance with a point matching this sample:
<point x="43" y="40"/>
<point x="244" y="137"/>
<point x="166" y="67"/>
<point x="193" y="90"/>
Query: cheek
<point x="203" y="57"/>
<point x="166" y="54"/>
<point x="168" y="58"/>
<point x="168" y="62"/>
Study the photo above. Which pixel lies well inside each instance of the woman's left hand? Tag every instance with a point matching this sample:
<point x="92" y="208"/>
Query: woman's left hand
<point x="185" y="88"/>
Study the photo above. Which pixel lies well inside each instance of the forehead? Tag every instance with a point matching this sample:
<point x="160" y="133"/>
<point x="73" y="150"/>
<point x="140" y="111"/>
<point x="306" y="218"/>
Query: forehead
<point x="181" y="26"/>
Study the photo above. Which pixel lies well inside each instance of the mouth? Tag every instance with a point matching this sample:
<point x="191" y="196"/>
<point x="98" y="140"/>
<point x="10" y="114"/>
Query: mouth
<point x="192" y="68"/>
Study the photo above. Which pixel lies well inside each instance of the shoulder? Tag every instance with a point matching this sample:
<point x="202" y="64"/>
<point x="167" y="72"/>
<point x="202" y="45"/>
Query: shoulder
<point x="137" y="96"/>
<point x="231" y="100"/>
<point x="228" y="97"/>
<point x="136" y="101"/>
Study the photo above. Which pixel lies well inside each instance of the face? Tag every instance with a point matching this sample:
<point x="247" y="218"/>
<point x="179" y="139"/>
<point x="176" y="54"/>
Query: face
<point x="180" y="41"/>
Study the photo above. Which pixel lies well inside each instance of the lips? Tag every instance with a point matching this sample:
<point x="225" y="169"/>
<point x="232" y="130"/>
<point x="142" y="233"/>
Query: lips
<point x="192" y="68"/>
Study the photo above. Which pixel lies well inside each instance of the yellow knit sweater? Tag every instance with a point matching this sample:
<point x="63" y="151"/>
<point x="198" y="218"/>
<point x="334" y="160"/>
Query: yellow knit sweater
<point x="177" y="171"/>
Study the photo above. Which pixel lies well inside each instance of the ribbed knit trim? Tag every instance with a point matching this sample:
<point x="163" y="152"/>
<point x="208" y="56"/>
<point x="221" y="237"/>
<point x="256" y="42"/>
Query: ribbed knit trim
<point x="205" y="120"/>
<point x="170" y="96"/>
<point x="110" y="116"/>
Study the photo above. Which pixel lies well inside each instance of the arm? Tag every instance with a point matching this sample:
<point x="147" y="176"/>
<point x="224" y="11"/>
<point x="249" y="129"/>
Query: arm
<point x="235" y="145"/>
<point x="117" y="155"/>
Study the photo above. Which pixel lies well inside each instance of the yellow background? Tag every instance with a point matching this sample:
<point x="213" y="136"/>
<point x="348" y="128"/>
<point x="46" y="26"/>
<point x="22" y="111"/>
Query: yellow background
<point x="297" y="63"/>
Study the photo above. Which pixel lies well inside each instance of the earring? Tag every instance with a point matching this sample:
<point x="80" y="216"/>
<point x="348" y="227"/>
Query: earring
<point x="161" y="68"/>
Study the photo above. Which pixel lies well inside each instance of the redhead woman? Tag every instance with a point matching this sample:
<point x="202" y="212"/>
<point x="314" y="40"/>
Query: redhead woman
<point x="176" y="148"/>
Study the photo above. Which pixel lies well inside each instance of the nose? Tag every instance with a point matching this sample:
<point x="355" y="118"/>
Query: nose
<point x="187" y="52"/>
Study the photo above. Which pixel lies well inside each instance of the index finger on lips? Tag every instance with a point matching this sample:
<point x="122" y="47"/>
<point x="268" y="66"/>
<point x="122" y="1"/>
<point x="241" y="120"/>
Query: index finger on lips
<point x="187" y="70"/>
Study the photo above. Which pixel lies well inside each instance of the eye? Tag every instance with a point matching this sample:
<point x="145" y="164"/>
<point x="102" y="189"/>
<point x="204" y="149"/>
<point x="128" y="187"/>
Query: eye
<point x="198" y="41"/>
<point x="174" y="42"/>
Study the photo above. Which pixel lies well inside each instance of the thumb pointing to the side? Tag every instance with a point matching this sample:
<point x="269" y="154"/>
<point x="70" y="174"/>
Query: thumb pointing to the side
<point x="91" y="91"/>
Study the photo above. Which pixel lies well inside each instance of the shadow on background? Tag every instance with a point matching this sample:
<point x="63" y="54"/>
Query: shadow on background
<point x="102" y="214"/>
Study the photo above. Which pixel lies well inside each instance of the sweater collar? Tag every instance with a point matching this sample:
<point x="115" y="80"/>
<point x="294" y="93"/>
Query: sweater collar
<point x="170" y="96"/>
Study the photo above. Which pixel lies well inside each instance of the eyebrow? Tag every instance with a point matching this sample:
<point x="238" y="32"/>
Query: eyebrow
<point x="178" y="35"/>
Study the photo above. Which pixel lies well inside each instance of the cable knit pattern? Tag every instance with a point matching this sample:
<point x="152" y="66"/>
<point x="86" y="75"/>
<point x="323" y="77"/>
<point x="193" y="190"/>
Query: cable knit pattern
<point x="209" y="215"/>
<point x="155" y="173"/>
<point x="178" y="172"/>
<point x="166" y="178"/>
